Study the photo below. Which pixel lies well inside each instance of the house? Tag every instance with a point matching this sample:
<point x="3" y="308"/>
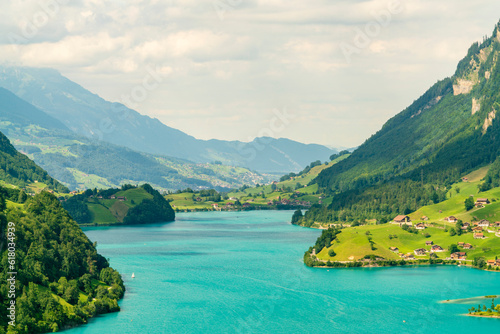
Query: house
<point x="215" y="206"/>
<point x="420" y="226"/>
<point x="464" y="179"/>
<point x="483" y="201"/>
<point x="477" y="229"/>
<point x="478" y="236"/>
<point x="497" y="263"/>
<point x="394" y="249"/>
<point x="484" y="223"/>
<point x="451" y="219"/>
<point x="121" y="198"/>
<point x="461" y="244"/>
<point x="420" y="251"/>
<point x="465" y="226"/>
<point x="409" y="256"/>
<point x="437" y="248"/>
<point x="429" y="243"/>
<point x="459" y="256"/>
<point x="113" y="197"/>
<point x="491" y="262"/>
<point x="467" y="246"/>
<point x="425" y="218"/>
<point x="402" y="219"/>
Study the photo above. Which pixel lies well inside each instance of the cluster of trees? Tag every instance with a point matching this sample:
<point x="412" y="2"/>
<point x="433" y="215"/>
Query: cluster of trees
<point x="382" y="202"/>
<point x="153" y="210"/>
<point x="17" y="169"/>
<point x="54" y="258"/>
<point x="304" y="171"/>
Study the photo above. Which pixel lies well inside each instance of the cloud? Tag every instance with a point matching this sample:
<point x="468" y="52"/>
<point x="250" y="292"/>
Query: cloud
<point x="229" y="63"/>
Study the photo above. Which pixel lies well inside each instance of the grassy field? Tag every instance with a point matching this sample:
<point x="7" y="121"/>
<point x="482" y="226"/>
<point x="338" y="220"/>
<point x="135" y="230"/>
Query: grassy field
<point x="353" y="243"/>
<point x="110" y="211"/>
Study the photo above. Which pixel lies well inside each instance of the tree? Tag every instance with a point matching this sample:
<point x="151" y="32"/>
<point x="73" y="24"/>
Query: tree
<point x="297" y="216"/>
<point x="469" y="203"/>
<point x="453" y="248"/>
<point x="331" y="252"/>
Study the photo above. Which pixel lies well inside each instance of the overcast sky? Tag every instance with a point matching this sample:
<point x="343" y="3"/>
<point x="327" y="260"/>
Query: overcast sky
<point x="339" y="68"/>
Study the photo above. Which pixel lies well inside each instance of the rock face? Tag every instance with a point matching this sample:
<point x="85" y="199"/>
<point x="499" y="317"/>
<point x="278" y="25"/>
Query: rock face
<point x="462" y="86"/>
<point x="476" y="106"/>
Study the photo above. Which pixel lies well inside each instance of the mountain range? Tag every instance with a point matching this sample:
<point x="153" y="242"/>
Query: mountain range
<point x="88" y="115"/>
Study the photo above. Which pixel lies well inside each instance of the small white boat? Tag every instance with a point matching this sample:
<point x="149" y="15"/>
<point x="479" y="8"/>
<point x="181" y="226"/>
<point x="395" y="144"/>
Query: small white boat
<point x="133" y="275"/>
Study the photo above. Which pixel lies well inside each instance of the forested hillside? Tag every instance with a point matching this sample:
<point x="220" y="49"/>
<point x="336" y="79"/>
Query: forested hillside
<point x="18" y="170"/>
<point x="61" y="280"/>
<point x="448" y="132"/>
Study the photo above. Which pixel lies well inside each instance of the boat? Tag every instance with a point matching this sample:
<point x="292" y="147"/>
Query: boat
<point x="133" y="275"/>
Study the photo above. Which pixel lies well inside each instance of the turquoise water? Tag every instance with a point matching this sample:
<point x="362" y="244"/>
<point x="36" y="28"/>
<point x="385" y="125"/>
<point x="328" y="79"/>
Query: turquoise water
<point x="242" y="272"/>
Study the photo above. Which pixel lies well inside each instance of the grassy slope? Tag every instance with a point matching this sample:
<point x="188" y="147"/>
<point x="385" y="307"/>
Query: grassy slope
<point x="353" y="242"/>
<point x="109" y="211"/>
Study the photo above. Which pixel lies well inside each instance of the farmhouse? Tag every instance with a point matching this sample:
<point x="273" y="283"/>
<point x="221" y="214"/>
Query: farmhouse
<point x="478" y="236"/>
<point x="477" y="229"/>
<point x="402" y="219"/>
<point x="451" y="219"/>
<point x="429" y="243"/>
<point x="483" y="201"/>
<point x="465" y="226"/>
<point x="420" y="251"/>
<point x="424" y="218"/>
<point x="467" y="246"/>
<point x="394" y="249"/>
<point x="420" y="226"/>
<point x="459" y="256"/>
<point x="484" y="223"/>
<point x="437" y="248"/>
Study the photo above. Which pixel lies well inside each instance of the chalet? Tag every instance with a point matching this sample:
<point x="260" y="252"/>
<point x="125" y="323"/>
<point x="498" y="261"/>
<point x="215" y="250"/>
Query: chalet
<point x="461" y="244"/>
<point x="429" y="243"/>
<point x="121" y="198"/>
<point x="491" y="262"/>
<point x="425" y="218"/>
<point x="459" y="256"/>
<point x="215" y="206"/>
<point x="113" y="197"/>
<point x="478" y="236"/>
<point x="420" y="251"/>
<point x="465" y="226"/>
<point x="467" y="246"/>
<point x="409" y="256"/>
<point x="402" y="219"/>
<point x="437" y="248"/>
<point x="497" y="263"/>
<point x="484" y="223"/>
<point x="394" y="249"/>
<point x="483" y="201"/>
<point x="420" y="226"/>
<point x="477" y="229"/>
<point x="464" y="179"/>
<point x="451" y="219"/>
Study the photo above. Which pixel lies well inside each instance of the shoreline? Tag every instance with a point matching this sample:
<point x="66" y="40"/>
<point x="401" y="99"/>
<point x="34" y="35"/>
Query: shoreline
<point x="354" y="264"/>
<point x="483" y="316"/>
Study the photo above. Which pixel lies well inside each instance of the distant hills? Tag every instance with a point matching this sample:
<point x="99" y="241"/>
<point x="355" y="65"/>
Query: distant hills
<point x="414" y="159"/>
<point x="88" y="115"/>
<point x="81" y="163"/>
<point x="18" y="170"/>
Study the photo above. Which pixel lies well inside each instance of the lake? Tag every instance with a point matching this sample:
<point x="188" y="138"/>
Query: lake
<point x="242" y="272"/>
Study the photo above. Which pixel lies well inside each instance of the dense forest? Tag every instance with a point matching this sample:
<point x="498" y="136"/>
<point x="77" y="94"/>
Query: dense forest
<point x="61" y="280"/>
<point x="19" y="170"/>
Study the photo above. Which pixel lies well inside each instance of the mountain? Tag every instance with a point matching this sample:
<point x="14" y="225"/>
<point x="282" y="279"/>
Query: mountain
<point x="22" y="113"/>
<point x="81" y="163"/>
<point x="18" y="170"/>
<point x="89" y="115"/>
<point x="412" y="161"/>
